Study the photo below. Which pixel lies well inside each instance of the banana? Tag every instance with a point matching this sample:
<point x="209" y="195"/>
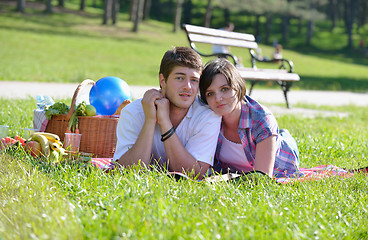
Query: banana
<point x="43" y="142"/>
<point x="55" y="147"/>
<point x="54" y="156"/>
<point x="50" y="136"/>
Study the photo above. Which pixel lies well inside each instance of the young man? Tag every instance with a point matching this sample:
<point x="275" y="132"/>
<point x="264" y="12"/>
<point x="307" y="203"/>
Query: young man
<point x="170" y="127"/>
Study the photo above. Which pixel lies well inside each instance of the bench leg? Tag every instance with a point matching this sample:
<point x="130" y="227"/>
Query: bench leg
<point x="285" y="86"/>
<point x="252" y="83"/>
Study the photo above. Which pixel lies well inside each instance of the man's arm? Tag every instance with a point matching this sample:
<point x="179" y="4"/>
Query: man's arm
<point x="180" y="158"/>
<point x="142" y="149"/>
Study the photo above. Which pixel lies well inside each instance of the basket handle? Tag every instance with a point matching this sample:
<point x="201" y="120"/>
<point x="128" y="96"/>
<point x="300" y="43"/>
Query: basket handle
<point x="74" y="99"/>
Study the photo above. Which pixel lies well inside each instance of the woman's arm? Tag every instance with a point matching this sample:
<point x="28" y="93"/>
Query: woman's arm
<point x="265" y="155"/>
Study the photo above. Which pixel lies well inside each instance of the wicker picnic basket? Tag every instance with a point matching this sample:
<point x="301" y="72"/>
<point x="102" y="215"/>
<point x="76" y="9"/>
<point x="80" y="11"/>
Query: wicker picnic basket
<point x="98" y="132"/>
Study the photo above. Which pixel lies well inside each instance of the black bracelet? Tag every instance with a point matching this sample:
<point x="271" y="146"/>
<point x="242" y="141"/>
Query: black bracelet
<point x="167" y="134"/>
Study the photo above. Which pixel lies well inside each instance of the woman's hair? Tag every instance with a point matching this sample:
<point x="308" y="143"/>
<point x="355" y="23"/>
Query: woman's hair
<point x="226" y="68"/>
<point x="180" y="56"/>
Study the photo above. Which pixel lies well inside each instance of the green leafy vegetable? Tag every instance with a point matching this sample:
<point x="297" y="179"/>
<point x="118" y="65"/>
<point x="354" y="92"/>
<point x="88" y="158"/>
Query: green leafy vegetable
<point x="79" y="111"/>
<point x="56" y="109"/>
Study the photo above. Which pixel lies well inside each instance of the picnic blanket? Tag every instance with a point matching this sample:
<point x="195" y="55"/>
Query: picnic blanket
<point x="310" y="174"/>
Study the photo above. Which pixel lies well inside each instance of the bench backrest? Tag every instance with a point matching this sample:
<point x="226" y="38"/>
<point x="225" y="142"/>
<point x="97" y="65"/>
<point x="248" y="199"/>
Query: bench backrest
<point x="219" y="37"/>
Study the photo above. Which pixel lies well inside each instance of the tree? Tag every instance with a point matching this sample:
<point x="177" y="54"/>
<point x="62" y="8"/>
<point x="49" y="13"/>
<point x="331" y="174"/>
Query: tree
<point x="349" y="19"/>
<point x="188" y="11"/>
<point x="178" y="11"/>
<point x="60" y="3"/>
<point x="82" y="5"/>
<point x="332" y="12"/>
<point x="111" y="10"/>
<point x="21" y="5"/>
<point x="208" y="15"/>
<point x="48" y="6"/>
<point x="138" y="15"/>
<point x="107" y="11"/>
<point x="147" y="9"/>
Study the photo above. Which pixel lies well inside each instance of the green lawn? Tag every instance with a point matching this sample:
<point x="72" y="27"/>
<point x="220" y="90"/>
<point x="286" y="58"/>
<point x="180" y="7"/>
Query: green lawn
<point x="78" y="201"/>
<point x="70" y="47"/>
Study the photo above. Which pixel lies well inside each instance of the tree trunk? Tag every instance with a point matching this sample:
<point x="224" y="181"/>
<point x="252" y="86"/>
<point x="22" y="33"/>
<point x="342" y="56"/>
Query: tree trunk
<point x="21" y="5"/>
<point x="300" y="25"/>
<point x="139" y="15"/>
<point x="107" y="11"/>
<point x="82" y="5"/>
<point x="133" y="10"/>
<point x="268" y="28"/>
<point x="60" y="3"/>
<point x="115" y="11"/>
<point x="227" y="15"/>
<point x="333" y="13"/>
<point x="257" y="29"/>
<point x="310" y="30"/>
<point x="350" y="22"/>
<point x="188" y="11"/>
<point x="179" y="7"/>
<point x="208" y="15"/>
<point x="285" y="28"/>
<point x="48" y="6"/>
<point x="310" y="26"/>
<point x="147" y="9"/>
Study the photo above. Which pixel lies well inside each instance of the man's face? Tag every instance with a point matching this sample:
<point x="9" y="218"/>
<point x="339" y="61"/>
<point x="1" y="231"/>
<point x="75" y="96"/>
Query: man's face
<point x="181" y="87"/>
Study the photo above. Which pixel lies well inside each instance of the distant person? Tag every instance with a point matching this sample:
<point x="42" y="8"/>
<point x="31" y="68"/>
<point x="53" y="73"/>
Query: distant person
<point x="220" y="48"/>
<point x="170" y="128"/>
<point x="277" y="54"/>
<point x="260" y="56"/>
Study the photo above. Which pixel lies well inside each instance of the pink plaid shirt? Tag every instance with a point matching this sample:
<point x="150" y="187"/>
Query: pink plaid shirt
<point x="256" y="124"/>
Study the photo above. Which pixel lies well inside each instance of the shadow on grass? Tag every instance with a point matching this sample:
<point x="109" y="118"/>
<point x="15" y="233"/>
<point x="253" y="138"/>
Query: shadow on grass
<point x="333" y="83"/>
<point x="308" y="82"/>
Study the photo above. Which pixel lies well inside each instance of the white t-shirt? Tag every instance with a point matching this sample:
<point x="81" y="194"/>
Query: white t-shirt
<point x="198" y="132"/>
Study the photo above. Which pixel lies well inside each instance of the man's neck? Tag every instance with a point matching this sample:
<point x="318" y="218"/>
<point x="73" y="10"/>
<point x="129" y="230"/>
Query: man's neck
<point x="177" y="115"/>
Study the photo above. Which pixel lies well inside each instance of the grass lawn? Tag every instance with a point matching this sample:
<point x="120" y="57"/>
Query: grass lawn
<point x="78" y="201"/>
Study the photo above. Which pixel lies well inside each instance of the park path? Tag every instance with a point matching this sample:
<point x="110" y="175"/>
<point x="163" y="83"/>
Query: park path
<point x="16" y="89"/>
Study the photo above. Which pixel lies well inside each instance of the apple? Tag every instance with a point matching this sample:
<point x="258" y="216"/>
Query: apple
<point x="33" y="148"/>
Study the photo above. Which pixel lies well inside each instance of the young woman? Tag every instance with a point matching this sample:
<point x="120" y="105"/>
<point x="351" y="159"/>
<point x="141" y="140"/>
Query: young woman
<point x="250" y="139"/>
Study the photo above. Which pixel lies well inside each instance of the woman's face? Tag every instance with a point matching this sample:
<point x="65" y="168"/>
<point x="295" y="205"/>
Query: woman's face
<point x="220" y="96"/>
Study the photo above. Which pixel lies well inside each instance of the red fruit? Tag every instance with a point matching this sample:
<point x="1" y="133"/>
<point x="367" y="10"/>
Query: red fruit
<point x="20" y="139"/>
<point x="33" y="148"/>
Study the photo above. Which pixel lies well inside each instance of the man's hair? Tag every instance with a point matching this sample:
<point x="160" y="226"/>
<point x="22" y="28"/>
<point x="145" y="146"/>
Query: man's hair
<point x="226" y="68"/>
<point x="180" y="56"/>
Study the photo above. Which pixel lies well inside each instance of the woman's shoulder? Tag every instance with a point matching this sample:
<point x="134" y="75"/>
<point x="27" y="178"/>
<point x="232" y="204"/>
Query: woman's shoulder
<point x="261" y="120"/>
<point x="255" y="107"/>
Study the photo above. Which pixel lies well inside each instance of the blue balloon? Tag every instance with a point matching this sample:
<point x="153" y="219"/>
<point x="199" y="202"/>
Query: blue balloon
<point x="108" y="93"/>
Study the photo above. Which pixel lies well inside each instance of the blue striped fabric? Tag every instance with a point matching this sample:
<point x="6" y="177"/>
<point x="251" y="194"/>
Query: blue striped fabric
<point x="256" y="124"/>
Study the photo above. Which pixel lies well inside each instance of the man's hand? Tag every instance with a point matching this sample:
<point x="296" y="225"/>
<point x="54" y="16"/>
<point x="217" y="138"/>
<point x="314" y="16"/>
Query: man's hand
<point x="163" y="113"/>
<point x="148" y="104"/>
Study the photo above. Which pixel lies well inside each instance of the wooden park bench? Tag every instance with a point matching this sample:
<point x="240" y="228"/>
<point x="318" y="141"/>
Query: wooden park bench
<point x="283" y="76"/>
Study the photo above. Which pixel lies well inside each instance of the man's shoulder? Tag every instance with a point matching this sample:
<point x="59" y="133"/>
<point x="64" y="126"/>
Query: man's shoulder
<point x="134" y="107"/>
